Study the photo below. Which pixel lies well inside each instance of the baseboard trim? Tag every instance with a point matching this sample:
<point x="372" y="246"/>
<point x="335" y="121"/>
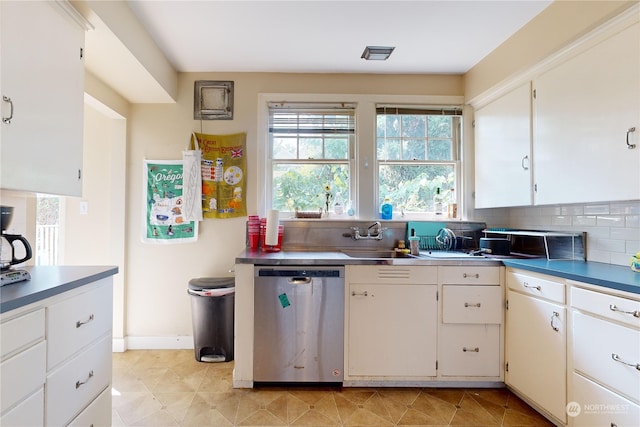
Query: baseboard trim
<point x="152" y="343"/>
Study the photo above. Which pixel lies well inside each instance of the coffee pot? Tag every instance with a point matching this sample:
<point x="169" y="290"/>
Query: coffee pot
<point x="7" y="248"/>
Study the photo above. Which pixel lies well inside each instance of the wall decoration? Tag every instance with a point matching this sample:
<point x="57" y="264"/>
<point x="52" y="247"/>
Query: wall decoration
<point x="224" y="174"/>
<point x="163" y="220"/>
<point x="213" y="100"/>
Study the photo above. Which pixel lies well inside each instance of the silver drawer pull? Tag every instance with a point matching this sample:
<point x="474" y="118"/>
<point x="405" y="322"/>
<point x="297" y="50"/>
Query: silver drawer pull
<point x="635" y="313"/>
<point x="554" y="316"/>
<point x="363" y="294"/>
<point x="536" y="287"/>
<point x="474" y="350"/>
<point x="466" y="304"/>
<point x="79" y="383"/>
<point x="624" y="362"/>
<point x="476" y="275"/>
<point x="80" y="322"/>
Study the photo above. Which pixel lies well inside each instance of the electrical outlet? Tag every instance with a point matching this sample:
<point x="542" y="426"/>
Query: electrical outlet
<point x="84" y="207"/>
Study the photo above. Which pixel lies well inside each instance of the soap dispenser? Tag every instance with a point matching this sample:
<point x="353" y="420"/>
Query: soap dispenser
<point x="386" y="210"/>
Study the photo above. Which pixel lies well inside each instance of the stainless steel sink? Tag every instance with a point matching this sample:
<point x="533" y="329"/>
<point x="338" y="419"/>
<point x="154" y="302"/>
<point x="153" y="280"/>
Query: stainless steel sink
<point x="367" y="253"/>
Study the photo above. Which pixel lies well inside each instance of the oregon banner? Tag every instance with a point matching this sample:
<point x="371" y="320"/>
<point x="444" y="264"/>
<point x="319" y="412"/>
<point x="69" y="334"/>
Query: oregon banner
<point x="164" y="220"/>
<point x="224" y="179"/>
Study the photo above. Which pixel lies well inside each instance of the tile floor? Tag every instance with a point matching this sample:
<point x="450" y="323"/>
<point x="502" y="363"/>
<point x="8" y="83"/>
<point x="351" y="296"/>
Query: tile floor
<point x="170" y="388"/>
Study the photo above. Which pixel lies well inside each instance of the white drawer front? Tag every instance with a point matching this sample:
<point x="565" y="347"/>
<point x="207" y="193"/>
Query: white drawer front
<point x="76" y="383"/>
<point x="599" y="406"/>
<point x="469" y="275"/>
<point x="596" y="345"/>
<point x="612" y="307"/>
<point x="406" y="275"/>
<point x="76" y="322"/>
<point x="471" y="304"/>
<point x="22" y="374"/>
<point x="536" y="286"/>
<point x="28" y="413"/>
<point x="470" y="350"/>
<point x="21" y="332"/>
<point x="97" y="414"/>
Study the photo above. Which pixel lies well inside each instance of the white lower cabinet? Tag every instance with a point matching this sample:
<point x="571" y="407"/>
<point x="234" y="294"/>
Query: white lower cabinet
<point x="593" y="405"/>
<point x="75" y="384"/>
<point x="28" y="413"/>
<point x="536" y="343"/>
<point x="72" y="332"/>
<point x="469" y="351"/>
<point x="98" y="414"/>
<point x="605" y="380"/>
<point x="392" y="322"/>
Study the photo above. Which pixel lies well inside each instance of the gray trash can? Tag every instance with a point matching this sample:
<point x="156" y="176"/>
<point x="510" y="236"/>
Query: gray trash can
<point x="212" y="307"/>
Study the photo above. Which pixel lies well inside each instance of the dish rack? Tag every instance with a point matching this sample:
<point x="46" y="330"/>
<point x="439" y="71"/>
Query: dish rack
<point x="428" y="243"/>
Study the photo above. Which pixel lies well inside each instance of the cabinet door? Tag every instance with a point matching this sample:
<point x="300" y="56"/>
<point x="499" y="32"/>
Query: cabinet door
<point x="536" y="351"/>
<point x="582" y="111"/>
<point x="392" y="330"/>
<point x="43" y="76"/>
<point x="503" y="150"/>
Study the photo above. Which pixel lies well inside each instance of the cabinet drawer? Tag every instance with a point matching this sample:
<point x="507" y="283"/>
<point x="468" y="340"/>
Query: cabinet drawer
<point x="596" y="346"/>
<point x="21" y="332"/>
<point x="469" y="275"/>
<point x="28" y="413"/>
<point x="76" y="383"/>
<point x="396" y="274"/>
<point x="471" y="304"/>
<point x="97" y="414"/>
<point x="76" y="322"/>
<point x="609" y="306"/>
<point x="22" y="374"/>
<point x="600" y="406"/>
<point x="470" y="350"/>
<point x="536" y="285"/>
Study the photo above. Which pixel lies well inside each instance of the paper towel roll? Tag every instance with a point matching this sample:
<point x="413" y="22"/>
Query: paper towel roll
<point x="271" y="233"/>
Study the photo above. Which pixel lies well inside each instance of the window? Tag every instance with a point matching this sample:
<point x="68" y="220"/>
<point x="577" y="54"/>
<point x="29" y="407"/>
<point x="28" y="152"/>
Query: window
<point x="311" y="153"/>
<point x="417" y="156"/>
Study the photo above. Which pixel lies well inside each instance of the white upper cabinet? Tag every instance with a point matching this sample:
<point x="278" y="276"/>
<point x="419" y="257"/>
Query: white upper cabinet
<point x="503" y="150"/>
<point x="42" y="83"/>
<point x="584" y="113"/>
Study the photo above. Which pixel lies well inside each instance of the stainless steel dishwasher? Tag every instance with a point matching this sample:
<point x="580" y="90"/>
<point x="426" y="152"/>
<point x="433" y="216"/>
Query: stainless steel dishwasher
<point x="299" y="324"/>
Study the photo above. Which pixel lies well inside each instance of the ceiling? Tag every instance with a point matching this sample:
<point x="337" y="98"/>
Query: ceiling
<point x="306" y="36"/>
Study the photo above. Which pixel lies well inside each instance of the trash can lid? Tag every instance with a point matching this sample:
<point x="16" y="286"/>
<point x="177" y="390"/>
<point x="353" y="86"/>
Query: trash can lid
<point x="200" y="283"/>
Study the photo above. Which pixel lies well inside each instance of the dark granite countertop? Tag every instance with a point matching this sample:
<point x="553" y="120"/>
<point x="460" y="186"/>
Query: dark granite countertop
<point x="596" y="273"/>
<point x="50" y="281"/>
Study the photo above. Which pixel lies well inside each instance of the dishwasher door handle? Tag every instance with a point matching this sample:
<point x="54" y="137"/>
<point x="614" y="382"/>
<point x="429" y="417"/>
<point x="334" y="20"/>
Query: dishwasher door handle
<point x="299" y="280"/>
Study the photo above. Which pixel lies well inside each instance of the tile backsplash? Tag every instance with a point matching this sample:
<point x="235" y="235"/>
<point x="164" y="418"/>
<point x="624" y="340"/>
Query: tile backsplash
<point x="613" y="228"/>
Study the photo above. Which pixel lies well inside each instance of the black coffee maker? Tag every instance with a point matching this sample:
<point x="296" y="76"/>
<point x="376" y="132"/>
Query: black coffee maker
<point x="8" y="250"/>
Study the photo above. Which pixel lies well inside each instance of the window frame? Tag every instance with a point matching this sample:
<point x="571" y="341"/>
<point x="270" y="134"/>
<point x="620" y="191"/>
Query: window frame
<point x="365" y="197"/>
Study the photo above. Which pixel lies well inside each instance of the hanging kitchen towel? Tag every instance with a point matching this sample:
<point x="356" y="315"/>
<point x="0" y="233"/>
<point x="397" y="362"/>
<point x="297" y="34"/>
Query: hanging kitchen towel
<point x="224" y="173"/>
<point x="192" y="181"/>
<point x="164" y="221"/>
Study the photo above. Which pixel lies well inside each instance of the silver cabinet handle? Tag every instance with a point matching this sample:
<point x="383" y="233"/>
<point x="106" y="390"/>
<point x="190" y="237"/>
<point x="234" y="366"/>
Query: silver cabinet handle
<point x="554" y="316"/>
<point x="363" y="294"/>
<point x="467" y="304"/>
<point x="80" y="322"/>
<point x="630" y="146"/>
<point x="80" y="383"/>
<point x="299" y="280"/>
<point x="618" y="359"/>
<point x="525" y="166"/>
<point x="536" y="287"/>
<point x="476" y="275"/>
<point x="7" y="120"/>
<point x="474" y="350"/>
<point x="635" y="313"/>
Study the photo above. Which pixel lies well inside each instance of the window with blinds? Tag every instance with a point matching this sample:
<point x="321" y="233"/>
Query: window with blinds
<point x="417" y="153"/>
<point x="311" y="152"/>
